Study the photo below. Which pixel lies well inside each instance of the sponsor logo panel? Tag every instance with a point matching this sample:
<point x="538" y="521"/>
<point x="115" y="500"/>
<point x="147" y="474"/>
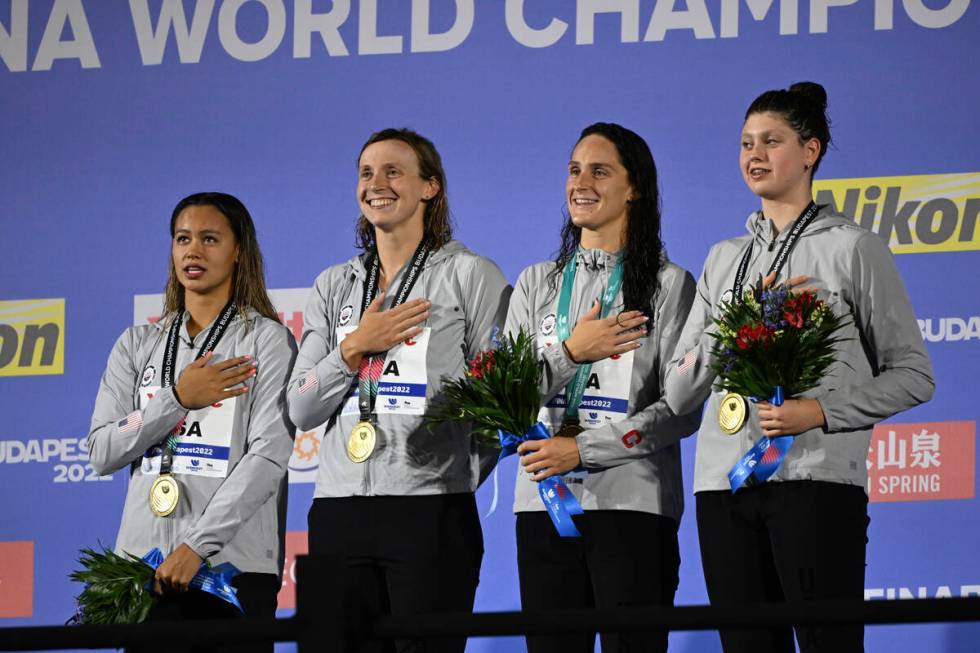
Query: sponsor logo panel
<point x="921" y="592"/>
<point x="68" y="457"/>
<point x="950" y="329"/>
<point x="290" y="304"/>
<point x="296" y="545"/>
<point x="32" y="337"/>
<point x="16" y="579"/>
<point x="922" y="462"/>
<point x="913" y="214"/>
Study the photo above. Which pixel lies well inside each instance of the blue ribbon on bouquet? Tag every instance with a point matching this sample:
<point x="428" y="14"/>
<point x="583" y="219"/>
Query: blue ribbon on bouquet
<point x="213" y="580"/>
<point x="559" y="501"/>
<point x="764" y="458"/>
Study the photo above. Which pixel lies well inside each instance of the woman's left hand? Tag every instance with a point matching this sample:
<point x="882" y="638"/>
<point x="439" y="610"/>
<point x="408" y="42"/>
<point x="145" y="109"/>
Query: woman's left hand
<point x="176" y="572"/>
<point x="551" y="457"/>
<point x="792" y="418"/>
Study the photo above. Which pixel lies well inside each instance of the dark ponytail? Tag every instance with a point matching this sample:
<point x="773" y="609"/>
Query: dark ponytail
<point x="804" y="107"/>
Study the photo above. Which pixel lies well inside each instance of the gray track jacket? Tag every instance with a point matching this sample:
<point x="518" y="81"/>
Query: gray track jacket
<point x="239" y="518"/>
<point x="635" y="463"/>
<point x="882" y="368"/>
<point x="469" y="298"/>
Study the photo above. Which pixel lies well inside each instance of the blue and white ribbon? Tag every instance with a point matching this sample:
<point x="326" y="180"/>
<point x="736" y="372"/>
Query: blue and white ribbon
<point x="764" y="458"/>
<point x="559" y="501"/>
<point x="213" y="580"/>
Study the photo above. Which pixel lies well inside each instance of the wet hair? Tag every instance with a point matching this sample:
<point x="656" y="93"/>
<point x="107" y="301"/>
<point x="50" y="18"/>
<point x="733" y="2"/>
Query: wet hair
<point x="437" y="229"/>
<point x="643" y="249"/>
<point x="248" y="279"/>
<point x="804" y="108"/>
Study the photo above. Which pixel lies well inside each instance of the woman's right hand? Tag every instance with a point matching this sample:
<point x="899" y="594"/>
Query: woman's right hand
<point x="380" y="330"/>
<point x="593" y="339"/>
<point x="202" y="384"/>
<point x="770" y="279"/>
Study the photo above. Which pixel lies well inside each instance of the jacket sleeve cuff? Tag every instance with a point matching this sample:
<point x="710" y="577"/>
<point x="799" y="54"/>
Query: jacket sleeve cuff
<point x="561" y="366"/>
<point x="202" y="549"/>
<point x="831" y="416"/>
<point x="336" y="361"/>
<point x="587" y="442"/>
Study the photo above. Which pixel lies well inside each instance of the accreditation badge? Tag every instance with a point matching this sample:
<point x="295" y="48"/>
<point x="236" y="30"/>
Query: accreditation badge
<point x="401" y="389"/>
<point x="404" y="377"/>
<point x="202" y="443"/>
<point x="607" y="393"/>
<point x="732" y="412"/>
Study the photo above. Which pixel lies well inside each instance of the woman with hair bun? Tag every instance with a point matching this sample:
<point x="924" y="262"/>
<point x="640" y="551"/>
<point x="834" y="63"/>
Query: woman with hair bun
<point x="606" y="314"/>
<point x="801" y="535"/>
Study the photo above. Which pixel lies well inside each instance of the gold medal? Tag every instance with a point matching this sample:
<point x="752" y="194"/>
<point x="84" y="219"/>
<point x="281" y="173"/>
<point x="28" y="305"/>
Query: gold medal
<point x="731" y="413"/>
<point x="164" y="495"/>
<point x="568" y="431"/>
<point x="360" y="444"/>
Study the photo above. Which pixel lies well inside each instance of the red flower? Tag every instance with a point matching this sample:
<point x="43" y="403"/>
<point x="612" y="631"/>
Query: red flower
<point x="751" y="334"/>
<point x="799" y="306"/>
<point x="481" y="364"/>
<point x="794" y="319"/>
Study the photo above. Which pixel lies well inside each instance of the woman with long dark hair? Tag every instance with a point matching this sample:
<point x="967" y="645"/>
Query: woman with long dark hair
<point x="194" y="406"/>
<point x="802" y="534"/>
<point x="383" y="330"/>
<point x="603" y="378"/>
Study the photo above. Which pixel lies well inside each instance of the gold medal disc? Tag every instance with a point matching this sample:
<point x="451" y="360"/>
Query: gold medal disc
<point x="164" y="495"/>
<point x="568" y="431"/>
<point x="732" y="413"/>
<point x="360" y="444"/>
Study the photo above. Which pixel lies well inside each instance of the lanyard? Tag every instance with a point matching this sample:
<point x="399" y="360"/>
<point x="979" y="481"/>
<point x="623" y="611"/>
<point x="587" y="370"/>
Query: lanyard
<point x="170" y="362"/>
<point x="369" y="371"/>
<point x="576" y="389"/>
<point x="782" y="255"/>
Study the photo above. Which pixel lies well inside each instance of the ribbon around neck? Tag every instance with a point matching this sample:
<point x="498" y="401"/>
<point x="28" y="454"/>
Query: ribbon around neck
<point x="764" y="458"/>
<point x="559" y="501"/>
<point x="213" y="580"/>
<point x="575" y="390"/>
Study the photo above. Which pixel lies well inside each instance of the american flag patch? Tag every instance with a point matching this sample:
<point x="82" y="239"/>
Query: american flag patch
<point x="131" y="422"/>
<point x="687" y="362"/>
<point x="308" y="382"/>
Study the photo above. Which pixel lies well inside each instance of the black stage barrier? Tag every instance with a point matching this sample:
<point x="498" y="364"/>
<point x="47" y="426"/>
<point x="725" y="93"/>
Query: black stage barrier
<point x="322" y="622"/>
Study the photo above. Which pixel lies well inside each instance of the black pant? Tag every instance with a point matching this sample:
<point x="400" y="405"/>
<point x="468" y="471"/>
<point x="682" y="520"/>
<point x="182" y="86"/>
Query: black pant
<point x="789" y="541"/>
<point x="623" y="559"/>
<point x="405" y="555"/>
<point x="257" y="594"/>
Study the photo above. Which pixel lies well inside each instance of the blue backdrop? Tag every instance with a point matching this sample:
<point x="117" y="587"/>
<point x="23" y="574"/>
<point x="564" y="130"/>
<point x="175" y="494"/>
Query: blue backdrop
<point x="112" y="111"/>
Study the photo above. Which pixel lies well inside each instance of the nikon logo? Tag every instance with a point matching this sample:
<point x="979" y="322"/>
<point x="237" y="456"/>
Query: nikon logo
<point x="922" y="213"/>
<point x="32" y="337"/>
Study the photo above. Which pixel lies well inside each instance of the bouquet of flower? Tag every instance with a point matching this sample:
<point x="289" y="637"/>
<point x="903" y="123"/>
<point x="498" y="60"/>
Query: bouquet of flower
<point x="774" y="338"/>
<point x="118" y="589"/>
<point x="500" y="391"/>
<point x="500" y="395"/>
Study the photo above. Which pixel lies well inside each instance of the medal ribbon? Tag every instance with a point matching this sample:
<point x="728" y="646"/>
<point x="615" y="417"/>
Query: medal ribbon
<point x="213" y="580"/>
<point x="576" y="389"/>
<point x="369" y="371"/>
<point x="802" y="222"/>
<point x="170" y="363"/>
<point x="764" y="458"/>
<point x="559" y="501"/>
